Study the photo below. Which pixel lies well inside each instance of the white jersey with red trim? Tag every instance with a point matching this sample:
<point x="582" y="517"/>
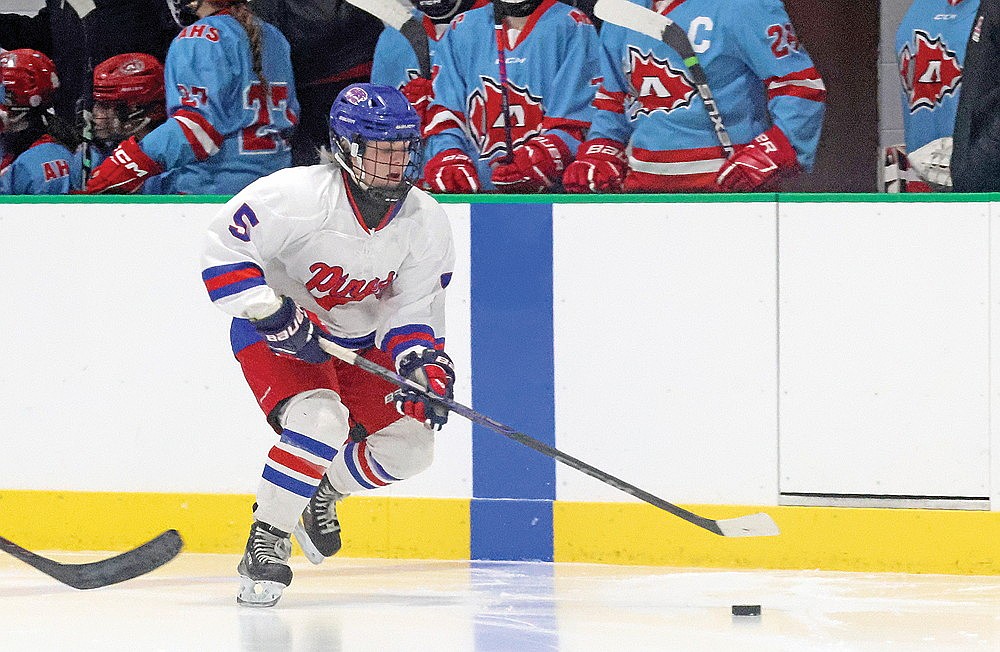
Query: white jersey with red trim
<point x="756" y="68"/>
<point x="551" y="79"/>
<point x="226" y="127"/>
<point x="297" y="233"/>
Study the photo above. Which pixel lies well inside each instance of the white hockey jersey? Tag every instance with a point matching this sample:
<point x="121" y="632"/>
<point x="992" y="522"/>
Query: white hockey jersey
<point x="296" y="233"/>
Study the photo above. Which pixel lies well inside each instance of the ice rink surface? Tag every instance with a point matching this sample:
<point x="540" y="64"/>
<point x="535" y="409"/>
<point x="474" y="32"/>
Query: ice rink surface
<point x="373" y="605"/>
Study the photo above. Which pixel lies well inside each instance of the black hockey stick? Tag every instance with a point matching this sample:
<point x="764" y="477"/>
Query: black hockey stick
<point x="138" y="561"/>
<point x="504" y="92"/>
<point x="399" y="18"/>
<point x="752" y="525"/>
<point x="645" y="21"/>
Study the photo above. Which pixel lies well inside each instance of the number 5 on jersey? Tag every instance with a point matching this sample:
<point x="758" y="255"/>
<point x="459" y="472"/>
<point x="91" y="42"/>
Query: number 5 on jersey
<point x="243" y="221"/>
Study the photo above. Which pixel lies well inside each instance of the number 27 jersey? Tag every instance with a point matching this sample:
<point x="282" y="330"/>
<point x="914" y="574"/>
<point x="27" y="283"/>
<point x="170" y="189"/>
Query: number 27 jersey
<point x="227" y="127"/>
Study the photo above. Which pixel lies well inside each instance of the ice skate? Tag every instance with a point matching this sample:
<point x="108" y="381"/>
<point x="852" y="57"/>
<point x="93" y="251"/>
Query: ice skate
<point x="264" y="571"/>
<point x="318" y="531"/>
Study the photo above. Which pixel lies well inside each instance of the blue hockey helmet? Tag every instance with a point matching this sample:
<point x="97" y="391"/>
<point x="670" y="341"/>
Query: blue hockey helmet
<point x="366" y="124"/>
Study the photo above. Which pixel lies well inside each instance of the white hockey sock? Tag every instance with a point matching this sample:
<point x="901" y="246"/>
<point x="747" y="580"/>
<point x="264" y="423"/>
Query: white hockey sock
<point x="291" y="474"/>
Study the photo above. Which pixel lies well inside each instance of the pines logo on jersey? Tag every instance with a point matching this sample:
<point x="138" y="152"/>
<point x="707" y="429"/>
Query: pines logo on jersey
<point x="485" y="116"/>
<point x="929" y="71"/>
<point x="331" y="286"/>
<point x="657" y="84"/>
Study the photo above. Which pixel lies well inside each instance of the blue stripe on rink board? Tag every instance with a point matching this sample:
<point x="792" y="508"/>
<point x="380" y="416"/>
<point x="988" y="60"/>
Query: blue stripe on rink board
<point x="512" y="380"/>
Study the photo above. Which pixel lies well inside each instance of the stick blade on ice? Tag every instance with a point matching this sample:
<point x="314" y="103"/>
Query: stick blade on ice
<point x="752" y="525"/>
<point x="128" y="565"/>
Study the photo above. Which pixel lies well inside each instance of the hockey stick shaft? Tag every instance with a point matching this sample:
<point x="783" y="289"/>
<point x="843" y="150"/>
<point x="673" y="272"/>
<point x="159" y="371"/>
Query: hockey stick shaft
<point x="133" y="563"/>
<point x="508" y="136"/>
<point x="645" y="21"/>
<point x="752" y="525"/>
<point x="399" y="18"/>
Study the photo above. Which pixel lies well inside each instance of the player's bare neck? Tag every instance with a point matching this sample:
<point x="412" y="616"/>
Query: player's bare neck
<point x="513" y="22"/>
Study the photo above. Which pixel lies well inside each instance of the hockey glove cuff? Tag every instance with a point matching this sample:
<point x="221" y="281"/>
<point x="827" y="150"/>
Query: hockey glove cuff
<point x="292" y="332"/>
<point x="451" y="171"/>
<point x="124" y="171"/>
<point x="933" y="162"/>
<point x="537" y="165"/>
<point x="433" y="370"/>
<point x="599" y="167"/>
<point x="758" y="164"/>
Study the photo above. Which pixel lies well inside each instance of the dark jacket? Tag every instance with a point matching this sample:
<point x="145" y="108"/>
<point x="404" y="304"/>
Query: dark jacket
<point x="333" y="44"/>
<point x="76" y="46"/>
<point x="975" y="157"/>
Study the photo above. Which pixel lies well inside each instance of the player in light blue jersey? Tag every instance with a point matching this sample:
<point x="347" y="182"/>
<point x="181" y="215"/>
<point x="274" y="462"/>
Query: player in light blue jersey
<point x="652" y="129"/>
<point x="128" y="102"/>
<point x="232" y="106"/>
<point x="395" y="63"/>
<point x="37" y="146"/>
<point x="930" y="54"/>
<point x="510" y="125"/>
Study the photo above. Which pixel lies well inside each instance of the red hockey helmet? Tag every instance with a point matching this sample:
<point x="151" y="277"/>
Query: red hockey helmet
<point x="29" y="78"/>
<point x="133" y="78"/>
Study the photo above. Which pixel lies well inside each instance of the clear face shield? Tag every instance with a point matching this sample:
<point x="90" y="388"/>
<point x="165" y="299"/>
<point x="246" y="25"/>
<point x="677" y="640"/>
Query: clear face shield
<point x="12" y="118"/>
<point x="116" y="121"/>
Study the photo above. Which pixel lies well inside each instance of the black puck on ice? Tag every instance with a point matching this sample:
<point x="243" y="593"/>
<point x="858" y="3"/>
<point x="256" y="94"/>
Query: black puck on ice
<point x="746" y="609"/>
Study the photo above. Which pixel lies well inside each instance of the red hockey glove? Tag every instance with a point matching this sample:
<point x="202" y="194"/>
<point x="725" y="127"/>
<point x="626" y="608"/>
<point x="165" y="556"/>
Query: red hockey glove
<point x="433" y="370"/>
<point x="419" y="92"/>
<point x="124" y="171"/>
<point x="762" y="161"/>
<point x="599" y="167"/>
<point x="538" y="165"/>
<point x="451" y="171"/>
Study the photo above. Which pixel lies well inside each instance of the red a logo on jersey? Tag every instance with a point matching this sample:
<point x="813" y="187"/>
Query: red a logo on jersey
<point x="657" y="84"/>
<point x="485" y="116"/>
<point x="929" y="72"/>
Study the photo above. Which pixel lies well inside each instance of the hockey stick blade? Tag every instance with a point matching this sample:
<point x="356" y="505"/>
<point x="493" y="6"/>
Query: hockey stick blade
<point x="399" y="18"/>
<point x="631" y="16"/>
<point x="754" y="525"/>
<point x="128" y="565"/>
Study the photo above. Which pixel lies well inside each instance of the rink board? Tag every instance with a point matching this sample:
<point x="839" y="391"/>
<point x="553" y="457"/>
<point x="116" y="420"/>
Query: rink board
<point x="728" y="353"/>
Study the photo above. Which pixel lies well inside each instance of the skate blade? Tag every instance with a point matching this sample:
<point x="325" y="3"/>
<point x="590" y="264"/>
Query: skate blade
<point x="308" y="549"/>
<point x="261" y="593"/>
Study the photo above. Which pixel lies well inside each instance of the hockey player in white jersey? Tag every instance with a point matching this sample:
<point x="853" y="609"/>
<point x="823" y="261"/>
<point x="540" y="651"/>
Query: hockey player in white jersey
<point x="348" y="251"/>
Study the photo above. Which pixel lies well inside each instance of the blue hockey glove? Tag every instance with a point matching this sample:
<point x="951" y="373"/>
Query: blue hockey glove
<point x="290" y="331"/>
<point x="431" y="369"/>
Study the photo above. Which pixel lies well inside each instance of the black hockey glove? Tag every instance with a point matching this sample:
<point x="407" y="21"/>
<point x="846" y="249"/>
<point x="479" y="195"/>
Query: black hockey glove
<point x="290" y="331"/>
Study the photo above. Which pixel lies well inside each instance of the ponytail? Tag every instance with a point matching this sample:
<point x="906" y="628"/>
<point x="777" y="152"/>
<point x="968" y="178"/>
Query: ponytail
<point x="255" y="34"/>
